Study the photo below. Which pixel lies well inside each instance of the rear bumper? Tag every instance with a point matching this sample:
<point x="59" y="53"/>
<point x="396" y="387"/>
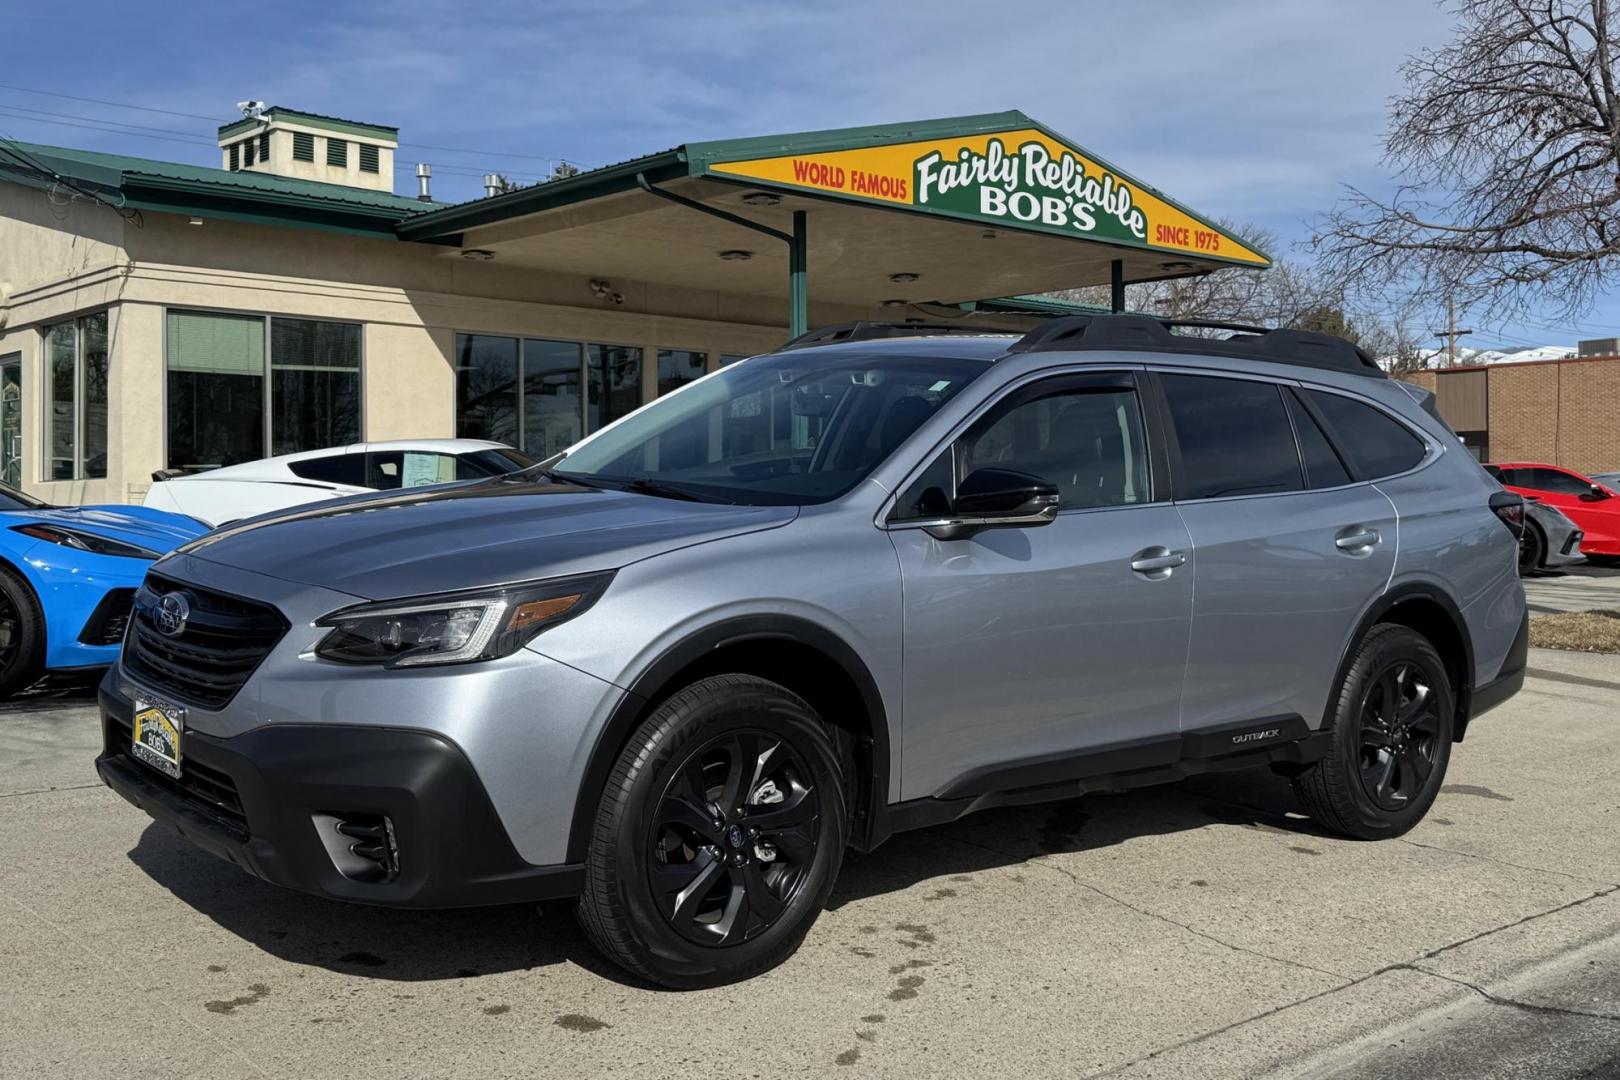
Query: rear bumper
<point x="268" y="800"/>
<point x="1508" y="679"/>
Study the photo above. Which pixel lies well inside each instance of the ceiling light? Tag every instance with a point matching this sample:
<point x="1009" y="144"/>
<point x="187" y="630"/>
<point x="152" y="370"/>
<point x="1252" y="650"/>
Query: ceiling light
<point x="762" y="198"/>
<point x="894" y="303"/>
<point x="196" y="221"/>
<point x="736" y="255"/>
<point x="904" y="279"/>
<point x="1177" y="264"/>
<point x="478" y="254"/>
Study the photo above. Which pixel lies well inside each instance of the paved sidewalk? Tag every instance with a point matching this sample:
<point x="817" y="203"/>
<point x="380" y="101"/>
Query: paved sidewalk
<point x="1581" y="588"/>
<point x="1201" y="930"/>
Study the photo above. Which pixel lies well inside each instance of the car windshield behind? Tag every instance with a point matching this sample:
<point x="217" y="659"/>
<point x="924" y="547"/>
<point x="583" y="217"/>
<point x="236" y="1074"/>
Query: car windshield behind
<point x="12" y="499"/>
<point x="496" y="461"/>
<point x="785" y="429"/>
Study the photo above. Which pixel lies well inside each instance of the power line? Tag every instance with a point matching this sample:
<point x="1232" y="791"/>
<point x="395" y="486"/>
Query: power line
<point x="216" y="120"/>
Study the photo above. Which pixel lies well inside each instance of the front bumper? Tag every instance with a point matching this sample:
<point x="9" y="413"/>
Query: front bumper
<point x="266" y="800"/>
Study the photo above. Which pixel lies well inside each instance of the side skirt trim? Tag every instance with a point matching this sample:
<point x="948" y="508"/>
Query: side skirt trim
<point x="1282" y="741"/>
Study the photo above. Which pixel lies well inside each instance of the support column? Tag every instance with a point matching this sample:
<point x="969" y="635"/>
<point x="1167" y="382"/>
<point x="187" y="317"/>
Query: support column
<point x="798" y="283"/>
<point x="1117" y="286"/>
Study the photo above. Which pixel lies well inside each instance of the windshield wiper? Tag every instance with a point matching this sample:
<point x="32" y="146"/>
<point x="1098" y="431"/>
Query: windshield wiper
<point x="643" y="485"/>
<point x="569" y="478"/>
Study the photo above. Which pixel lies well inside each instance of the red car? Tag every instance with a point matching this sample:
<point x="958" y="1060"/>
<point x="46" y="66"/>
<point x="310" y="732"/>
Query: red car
<point x="1593" y="506"/>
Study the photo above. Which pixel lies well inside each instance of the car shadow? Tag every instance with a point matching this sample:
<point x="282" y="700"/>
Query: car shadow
<point x="414" y="946"/>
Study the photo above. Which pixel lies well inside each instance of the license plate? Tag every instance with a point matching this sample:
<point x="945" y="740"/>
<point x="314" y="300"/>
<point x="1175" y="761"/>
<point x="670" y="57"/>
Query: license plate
<point x="158" y="729"/>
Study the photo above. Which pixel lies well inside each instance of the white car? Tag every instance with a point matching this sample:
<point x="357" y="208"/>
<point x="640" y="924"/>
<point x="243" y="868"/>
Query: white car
<point x="219" y="496"/>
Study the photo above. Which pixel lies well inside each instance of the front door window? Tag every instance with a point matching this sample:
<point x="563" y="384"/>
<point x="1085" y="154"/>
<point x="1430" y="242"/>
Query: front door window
<point x="11" y="420"/>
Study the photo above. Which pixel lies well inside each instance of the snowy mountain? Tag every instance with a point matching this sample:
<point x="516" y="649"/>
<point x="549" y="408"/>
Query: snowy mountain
<point x="1467" y="357"/>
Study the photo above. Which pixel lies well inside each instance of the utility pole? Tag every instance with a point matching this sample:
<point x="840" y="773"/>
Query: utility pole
<point x="1451" y="333"/>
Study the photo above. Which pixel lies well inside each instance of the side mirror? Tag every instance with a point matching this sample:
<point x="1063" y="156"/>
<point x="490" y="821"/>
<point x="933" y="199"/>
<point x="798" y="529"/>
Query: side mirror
<point x="1598" y="492"/>
<point x="997" y="499"/>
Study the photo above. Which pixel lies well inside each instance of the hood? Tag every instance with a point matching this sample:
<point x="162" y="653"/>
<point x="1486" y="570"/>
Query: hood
<point x="469" y="536"/>
<point x="155" y="529"/>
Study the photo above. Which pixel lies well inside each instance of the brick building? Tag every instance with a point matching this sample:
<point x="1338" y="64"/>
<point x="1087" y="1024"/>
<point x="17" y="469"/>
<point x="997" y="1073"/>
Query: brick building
<point x="1562" y="412"/>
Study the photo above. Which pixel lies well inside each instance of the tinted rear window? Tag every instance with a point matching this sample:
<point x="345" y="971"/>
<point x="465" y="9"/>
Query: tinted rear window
<point x="1375" y="444"/>
<point x="1234" y="435"/>
<point x="335" y="469"/>
<point x="1323" y="469"/>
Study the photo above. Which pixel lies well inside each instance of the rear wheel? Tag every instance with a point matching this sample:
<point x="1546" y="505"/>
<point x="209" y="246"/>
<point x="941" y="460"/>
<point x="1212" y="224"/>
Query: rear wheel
<point x="719" y="836"/>
<point x="1532" y="549"/>
<point x="1390" y="739"/>
<point x="22" y="635"/>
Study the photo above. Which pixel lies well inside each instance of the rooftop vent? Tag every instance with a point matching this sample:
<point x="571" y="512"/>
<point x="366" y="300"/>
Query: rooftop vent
<point x="307" y="146"/>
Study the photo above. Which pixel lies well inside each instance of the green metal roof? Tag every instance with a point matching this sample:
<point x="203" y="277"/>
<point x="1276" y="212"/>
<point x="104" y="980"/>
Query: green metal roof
<point x="172" y="187"/>
<point x="331" y="123"/>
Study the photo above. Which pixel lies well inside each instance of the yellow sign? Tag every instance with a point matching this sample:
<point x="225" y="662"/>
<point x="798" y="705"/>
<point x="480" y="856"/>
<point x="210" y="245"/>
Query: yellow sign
<point x="1022" y="178"/>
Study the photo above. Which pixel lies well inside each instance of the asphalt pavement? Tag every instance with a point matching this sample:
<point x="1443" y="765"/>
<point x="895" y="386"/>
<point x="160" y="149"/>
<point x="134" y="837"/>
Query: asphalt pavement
<point x="1202" y="930"/>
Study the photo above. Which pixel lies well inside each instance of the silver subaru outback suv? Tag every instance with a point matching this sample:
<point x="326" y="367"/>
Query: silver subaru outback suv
<point x="870" y="582"/>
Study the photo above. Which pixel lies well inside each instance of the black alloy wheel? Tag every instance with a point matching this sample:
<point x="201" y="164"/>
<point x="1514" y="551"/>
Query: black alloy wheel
<point x="1400" y="726"/>
<point x="1532" y="549"/>
<point x="719" y="834"/>
<point x="733" y="838"/>
<point x="22" y="638"/>
<point x="1387" y="739"/>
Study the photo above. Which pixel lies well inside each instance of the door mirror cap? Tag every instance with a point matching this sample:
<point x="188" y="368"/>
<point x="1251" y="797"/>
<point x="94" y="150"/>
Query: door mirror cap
<point x="997" y="499"/>
<point x="1598" y="492"/>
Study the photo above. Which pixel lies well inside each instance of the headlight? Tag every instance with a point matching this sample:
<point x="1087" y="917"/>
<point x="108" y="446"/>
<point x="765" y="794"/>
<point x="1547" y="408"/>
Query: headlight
<point x="84" y="541"/>
<point x="455" y="628"/>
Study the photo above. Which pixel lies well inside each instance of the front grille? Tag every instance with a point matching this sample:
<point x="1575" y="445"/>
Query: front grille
<point x="223" y="641"/>
<point x="108" y="622"/>
<point x="209" y="790"/>
<point x="1569" y="545"/>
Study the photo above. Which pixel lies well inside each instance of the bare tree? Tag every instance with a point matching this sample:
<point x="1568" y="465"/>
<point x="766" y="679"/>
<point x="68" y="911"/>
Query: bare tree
<point x="1506" y="144"/>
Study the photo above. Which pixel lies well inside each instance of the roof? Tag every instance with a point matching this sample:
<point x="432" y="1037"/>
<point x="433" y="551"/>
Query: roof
<point x="880" y="165"/>
<point x="172" y="187"/>
<point x="333" y="123"/>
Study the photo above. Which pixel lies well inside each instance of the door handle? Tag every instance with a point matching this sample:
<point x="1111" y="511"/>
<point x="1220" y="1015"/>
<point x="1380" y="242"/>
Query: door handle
<point x="1158" y="560"/>
<point x="1359" y="540"/>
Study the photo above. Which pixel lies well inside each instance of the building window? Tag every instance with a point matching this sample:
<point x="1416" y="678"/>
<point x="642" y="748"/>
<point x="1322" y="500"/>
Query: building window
<point x="223" y="382"/>
<point x="368" y="158"/>
<point x="541" y="396"/>
<point x="613" y="381"/>
<point x="234" y="152"/>
<point x="677" y="367"/>
<point x="248" y="147"/>
<point x="76" y="372"/>
<point x="264" y="147"/>
<point x="303" y="146"/>
<point x="314" y="384"/>
<point x="337" y="153"/>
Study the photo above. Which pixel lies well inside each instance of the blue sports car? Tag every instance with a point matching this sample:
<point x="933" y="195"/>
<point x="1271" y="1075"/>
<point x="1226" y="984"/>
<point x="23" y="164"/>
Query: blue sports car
<point x="67" y="576"/>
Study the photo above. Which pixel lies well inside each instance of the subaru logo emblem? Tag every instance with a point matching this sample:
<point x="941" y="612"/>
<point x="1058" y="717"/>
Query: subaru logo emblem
<point x="171" y="614"/>
<point x="734" y="836"/>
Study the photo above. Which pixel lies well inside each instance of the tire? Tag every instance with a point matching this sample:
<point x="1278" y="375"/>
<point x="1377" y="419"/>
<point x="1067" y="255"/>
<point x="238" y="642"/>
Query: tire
<point x="672" y="894"/>
<point x="1341" y="792"/>
<point x="23" y="660"/>
<point x="1532" y="549"/>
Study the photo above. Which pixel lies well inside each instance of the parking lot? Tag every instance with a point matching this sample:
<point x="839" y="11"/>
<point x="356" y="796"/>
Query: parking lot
<point x="1200" y="930"/>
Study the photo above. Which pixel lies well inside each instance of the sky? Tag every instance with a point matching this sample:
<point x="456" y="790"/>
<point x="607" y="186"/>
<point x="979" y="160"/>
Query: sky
<point x="1250" y="110"/>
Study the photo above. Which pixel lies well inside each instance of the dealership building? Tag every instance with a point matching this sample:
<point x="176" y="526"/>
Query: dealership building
<point x="156" y="315"/>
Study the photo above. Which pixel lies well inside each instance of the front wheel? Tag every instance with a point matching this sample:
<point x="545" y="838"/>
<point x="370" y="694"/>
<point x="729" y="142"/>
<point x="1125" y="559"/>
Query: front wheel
<point x="1390" y="739"/>
<point x="719" y="835"/>
<point x="1532" y="549"/>
<point x="22" y="635"/>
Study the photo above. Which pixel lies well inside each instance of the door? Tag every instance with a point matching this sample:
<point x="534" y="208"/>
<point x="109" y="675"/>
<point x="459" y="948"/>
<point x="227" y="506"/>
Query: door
<point x="1026" y="648"/>
<point x="11" y="470"/>
<point x="1290" y="549"/>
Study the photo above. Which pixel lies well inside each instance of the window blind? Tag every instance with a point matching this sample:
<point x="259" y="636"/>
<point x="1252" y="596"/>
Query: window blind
<point x="215" y="343"/>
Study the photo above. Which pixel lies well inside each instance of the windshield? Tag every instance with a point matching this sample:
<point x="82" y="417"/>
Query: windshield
<point x="12" y="499"/>
<point x="784" y="429"/>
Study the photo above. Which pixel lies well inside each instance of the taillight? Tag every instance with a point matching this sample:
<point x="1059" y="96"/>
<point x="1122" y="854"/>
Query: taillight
<point x="1510" y="508"/>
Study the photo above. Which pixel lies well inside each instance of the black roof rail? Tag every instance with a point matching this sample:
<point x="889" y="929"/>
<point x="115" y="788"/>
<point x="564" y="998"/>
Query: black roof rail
<point x="1301" y="347"/>
<point x="866" y="330"/>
